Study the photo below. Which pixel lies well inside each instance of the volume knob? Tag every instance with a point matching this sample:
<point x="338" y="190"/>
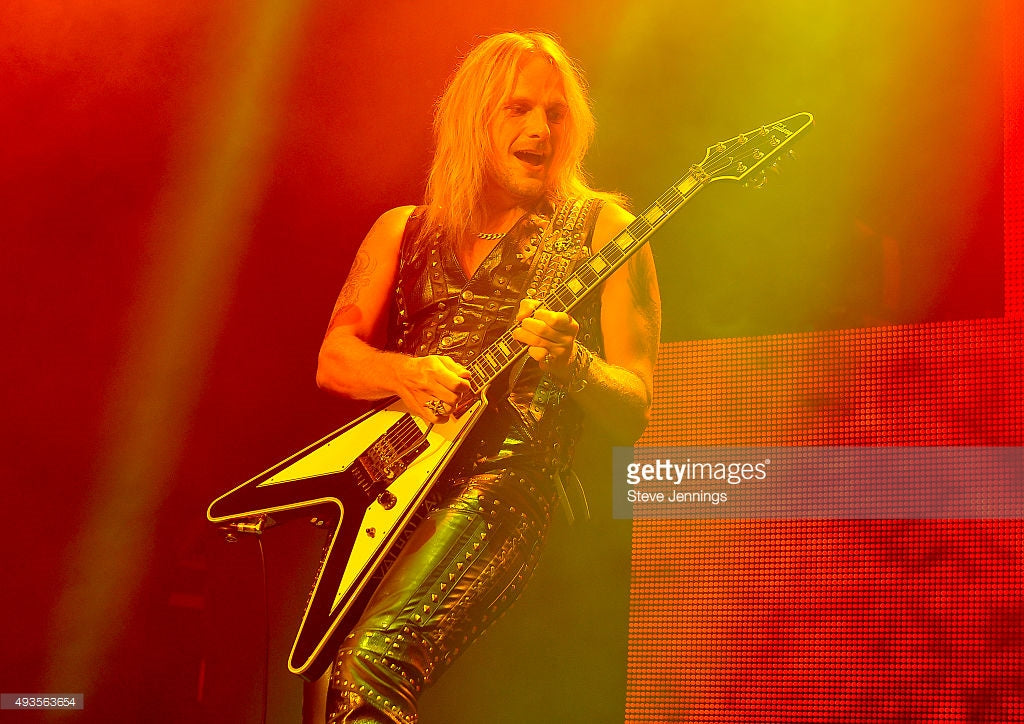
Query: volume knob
<point x="387" y="500"/>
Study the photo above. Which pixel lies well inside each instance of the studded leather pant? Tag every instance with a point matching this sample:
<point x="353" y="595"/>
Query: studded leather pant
<point x="463" y="566"/>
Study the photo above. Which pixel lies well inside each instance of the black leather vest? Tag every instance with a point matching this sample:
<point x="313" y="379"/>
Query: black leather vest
<point x="437" y="310"/>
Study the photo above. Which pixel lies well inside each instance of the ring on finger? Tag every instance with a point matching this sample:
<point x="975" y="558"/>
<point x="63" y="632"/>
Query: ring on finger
<point x="436" y="406"/>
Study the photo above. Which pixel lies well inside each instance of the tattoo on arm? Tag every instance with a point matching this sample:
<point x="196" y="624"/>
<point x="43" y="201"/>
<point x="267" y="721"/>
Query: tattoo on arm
<point x="345" y="310"/>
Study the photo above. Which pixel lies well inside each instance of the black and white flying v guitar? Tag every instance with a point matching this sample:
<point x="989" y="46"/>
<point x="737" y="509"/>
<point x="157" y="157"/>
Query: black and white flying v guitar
<point x="378" y="469"/>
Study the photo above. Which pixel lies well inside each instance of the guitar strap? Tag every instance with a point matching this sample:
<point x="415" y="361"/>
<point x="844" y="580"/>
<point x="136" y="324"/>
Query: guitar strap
<point x="561" y="247"/>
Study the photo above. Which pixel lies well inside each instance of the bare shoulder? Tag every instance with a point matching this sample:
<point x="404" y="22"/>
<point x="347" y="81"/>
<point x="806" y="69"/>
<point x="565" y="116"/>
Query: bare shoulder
<point x="398" y="215"/>
<point x="386" y="232"/>
<point x="610" y="221"/>
<point x="363" y="302"/>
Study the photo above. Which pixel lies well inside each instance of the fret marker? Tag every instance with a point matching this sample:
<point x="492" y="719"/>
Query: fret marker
<point x="653" y="214"/>
<point x="575" y="286"/>
<point x="598" y="264"/>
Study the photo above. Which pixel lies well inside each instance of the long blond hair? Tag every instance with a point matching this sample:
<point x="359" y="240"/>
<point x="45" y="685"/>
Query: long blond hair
<point x="462" y="121"/>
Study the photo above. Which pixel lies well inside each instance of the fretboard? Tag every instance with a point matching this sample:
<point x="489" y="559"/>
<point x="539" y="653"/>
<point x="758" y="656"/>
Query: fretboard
<point x="589" y="274"/>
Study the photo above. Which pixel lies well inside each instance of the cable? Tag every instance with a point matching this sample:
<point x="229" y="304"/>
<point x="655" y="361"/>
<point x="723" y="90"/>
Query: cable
<point x="266" y="630"/>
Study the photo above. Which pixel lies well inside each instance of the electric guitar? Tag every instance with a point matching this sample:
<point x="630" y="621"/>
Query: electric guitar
<point x="376" y="471"/>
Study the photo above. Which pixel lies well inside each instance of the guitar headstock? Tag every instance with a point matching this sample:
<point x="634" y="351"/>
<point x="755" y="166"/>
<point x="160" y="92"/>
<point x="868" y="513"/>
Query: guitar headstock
<point x="739" y="157"/>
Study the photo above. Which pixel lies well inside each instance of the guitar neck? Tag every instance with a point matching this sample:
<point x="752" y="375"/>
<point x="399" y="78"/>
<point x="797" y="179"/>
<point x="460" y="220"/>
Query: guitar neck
<point x="735" y="160"/>
<point x="590" y="274"/>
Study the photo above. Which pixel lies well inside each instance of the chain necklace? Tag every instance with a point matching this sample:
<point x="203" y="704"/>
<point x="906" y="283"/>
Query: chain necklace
<point x="495" y="235"/>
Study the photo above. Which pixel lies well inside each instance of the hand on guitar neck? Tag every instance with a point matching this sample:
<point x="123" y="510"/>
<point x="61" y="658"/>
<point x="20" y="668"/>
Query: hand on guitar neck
<point x="550" y="336"/>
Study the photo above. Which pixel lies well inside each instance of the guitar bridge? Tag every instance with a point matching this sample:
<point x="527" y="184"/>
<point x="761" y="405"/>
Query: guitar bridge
<point x="390" y="455"/>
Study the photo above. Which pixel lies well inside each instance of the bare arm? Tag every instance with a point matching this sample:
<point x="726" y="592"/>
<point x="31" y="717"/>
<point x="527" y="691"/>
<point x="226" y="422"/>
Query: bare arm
<point x="622" y="383"/>
<point x="618" y="388"/>
<point x="351" y="362"/>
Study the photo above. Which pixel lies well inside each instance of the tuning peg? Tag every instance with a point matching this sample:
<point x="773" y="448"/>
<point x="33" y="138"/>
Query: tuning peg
<point x="791" y="153"/>
<point x="757" y="181"/>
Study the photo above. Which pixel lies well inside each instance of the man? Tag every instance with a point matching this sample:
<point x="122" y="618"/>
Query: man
<point x="430" y="288"/>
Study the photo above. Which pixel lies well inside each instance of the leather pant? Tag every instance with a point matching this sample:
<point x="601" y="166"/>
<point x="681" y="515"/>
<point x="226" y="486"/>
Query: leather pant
<point x="462" y="567"/>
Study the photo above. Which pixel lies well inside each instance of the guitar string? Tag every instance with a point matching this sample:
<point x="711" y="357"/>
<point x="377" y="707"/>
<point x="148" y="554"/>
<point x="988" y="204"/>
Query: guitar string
<point x="413" y="439"/>
<point x="399" y="434"/>
<point x="409" y="436"/>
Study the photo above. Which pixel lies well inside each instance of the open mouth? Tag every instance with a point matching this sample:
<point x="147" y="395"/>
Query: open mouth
<point x="530" y="158"/>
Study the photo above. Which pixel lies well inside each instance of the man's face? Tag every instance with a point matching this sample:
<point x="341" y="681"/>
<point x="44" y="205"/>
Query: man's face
<point x="526" y="130"/>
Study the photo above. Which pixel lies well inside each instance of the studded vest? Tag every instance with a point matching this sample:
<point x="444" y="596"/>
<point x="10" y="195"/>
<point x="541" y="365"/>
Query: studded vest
<point x="437" y="310"/>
